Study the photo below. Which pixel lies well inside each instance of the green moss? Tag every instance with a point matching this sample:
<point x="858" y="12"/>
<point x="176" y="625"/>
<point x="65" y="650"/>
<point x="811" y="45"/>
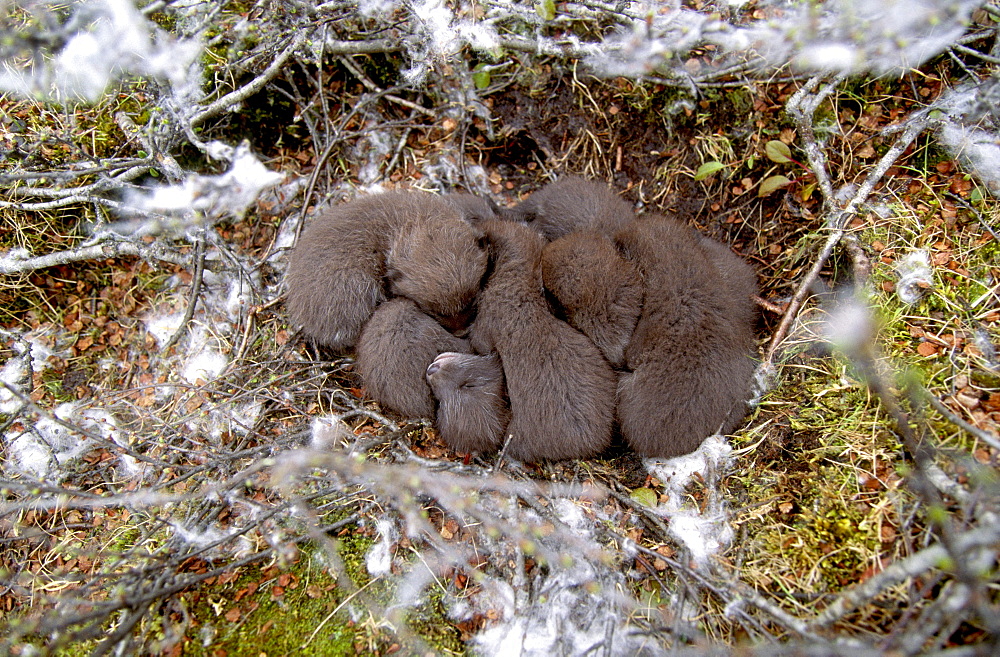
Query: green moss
<point x="54" y="384"/>
<point x="279" y="610"/>
<point x="429" y="620"/>
<point x="271" y="610"/>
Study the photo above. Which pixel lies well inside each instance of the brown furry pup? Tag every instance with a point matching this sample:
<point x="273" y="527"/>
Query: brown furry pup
<point x="474" y="209"/>
<point x="472" y="411"/>
<point x="737" y="275"/>
<point x="599" y="292"/>
<point x="690" y="352"/>
<point x="396" y="345"/>
<point x="561" y="390"/>
<point x="571" y="204"/>
<point x="336" y="276"/>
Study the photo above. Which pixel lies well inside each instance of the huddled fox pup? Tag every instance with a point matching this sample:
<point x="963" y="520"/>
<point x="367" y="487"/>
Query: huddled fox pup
<point x="547" y="327"/>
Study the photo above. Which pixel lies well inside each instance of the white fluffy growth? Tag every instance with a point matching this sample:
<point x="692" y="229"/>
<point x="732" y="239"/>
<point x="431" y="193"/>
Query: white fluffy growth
<point x="327" y="433"/>
<point x="570" y="614"/>
<point x="970" y="129"/>
<point x="200" y="539"/>
<point x="374" y="8"/>
<point x="372" y="150"/>
<point x="28" y="453"/>
<point x="15" y="373"/>
<point x="576" y="609"/>
<point x="915" y="276"/>
<point x="115" y="39"/>
<point x="239" y="298"/>
<point x="849" y="325"/>
<point x="233" y="418"/>
<point x="703" y="532"/>
<point x="379" y="557"/>
<point x="204" y="365"/>
<point x="163" y="327"/>
<point x="851" y="36"/>
<point x="436" y="19"/>
<point x="40" y="449"/>
<point x="228" y="194"/>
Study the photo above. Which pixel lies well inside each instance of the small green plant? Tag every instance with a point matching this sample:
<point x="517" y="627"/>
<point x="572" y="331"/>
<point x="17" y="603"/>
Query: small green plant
<point x="779" y="153"/>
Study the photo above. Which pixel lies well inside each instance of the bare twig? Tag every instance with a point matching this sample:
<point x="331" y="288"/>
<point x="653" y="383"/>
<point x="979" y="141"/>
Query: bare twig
<point x="837" y="222"/>
<point x="982" y="435"/>
<point x="896" y="573"/>
<point x="252" y="87"/>
<point x="14" y="264"/>
<point x="199" y="260"/>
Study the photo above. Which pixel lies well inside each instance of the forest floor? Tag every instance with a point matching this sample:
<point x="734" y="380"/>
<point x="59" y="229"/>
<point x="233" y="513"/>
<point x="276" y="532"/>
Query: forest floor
<point x="173" y="470"/>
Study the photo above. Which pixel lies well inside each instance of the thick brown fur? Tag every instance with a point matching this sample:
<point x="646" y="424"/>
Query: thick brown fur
<point x="336" y="276"/>
<point x="475" y="209"/>
<point x="437" y="263"/>
<point x="561" y="389"/>
<point x="472" y="411"/>
<point x="690" y="352"/>
<point x="599" y="292"/>
<point x="396" y="345"/>
<point x="571" y="204"/>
